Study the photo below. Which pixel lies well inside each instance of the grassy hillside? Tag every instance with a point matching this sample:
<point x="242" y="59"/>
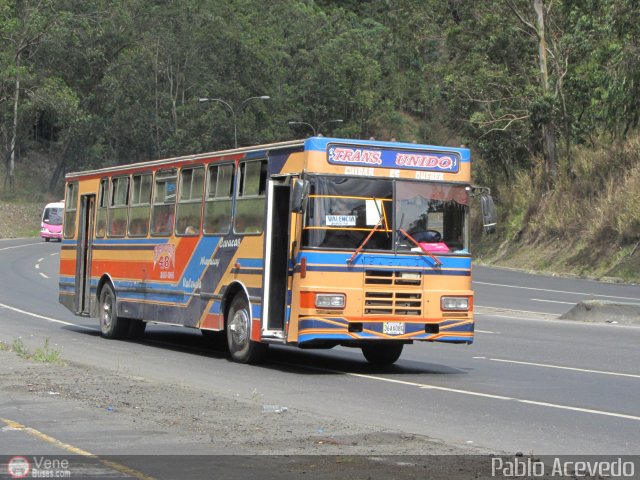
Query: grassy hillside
<point x="20" y="219"/>
<point x="588" y="225"/>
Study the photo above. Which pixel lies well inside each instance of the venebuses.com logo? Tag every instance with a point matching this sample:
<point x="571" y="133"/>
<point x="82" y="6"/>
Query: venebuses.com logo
<point x="38" y="467"/>
<point x="18" y="467"/>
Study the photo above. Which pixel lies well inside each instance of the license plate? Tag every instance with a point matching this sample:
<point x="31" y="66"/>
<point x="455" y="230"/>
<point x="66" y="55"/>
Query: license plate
<point x="393" y="328"/>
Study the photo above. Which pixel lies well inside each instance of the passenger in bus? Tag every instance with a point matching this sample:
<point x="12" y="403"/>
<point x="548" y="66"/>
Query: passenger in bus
<point x="247" y="224"/>
<point x="138" y="227"/>
<point x="118" y="228"/>
<point x="164" y="221"/>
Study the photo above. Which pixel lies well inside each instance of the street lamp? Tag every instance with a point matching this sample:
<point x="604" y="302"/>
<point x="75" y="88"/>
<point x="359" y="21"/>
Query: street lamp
<point x="314" y="129"/>
<point x="233" y="111"/>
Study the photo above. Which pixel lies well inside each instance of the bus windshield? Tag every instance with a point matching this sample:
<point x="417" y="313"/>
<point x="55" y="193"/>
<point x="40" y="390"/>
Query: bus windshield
<point x="398" y="215"/>
<point x="52" y="215"/>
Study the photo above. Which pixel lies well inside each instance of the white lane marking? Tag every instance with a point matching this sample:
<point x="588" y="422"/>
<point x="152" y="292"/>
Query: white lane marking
<point x="43" y="275"/>
<point x="484" y="331"/>
<point x="499" y="397"/>
<point x="48" y="319"/>
<point x="426" y="386"/>
<point x="555" y="291"/>
<point x="20" y="246"/>
<point x="560" y="367"/>
<point x="499" y="309"/>
<point x="551" y="301"/>
<point x="40" y="259"/>
<point x="37" y="266"/>
<point x="54" y="254"/>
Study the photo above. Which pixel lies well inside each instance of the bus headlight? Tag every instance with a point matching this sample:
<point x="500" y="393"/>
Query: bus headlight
<point x="330" y="300"/>
<point x="454" y="303"/>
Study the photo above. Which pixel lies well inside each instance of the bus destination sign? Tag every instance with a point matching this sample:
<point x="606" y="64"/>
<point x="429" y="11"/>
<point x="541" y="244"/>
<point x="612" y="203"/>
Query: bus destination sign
<point x="407" y="159"/>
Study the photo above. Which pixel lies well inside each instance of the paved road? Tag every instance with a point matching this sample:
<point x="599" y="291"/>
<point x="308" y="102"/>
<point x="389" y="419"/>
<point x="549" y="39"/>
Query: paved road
<point x="529" y="383"/>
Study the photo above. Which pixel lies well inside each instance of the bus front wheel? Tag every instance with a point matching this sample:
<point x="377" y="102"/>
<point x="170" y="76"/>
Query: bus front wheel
<point x="241" y="347"/>
<point x="382" y="353"/>
<point x="111" y="326"/>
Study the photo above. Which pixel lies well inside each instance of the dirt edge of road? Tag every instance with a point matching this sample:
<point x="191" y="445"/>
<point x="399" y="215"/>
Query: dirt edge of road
<point x="226" y="422"/>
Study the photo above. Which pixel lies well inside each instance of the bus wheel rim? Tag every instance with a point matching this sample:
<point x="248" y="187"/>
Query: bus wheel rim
<point x="240" y="328"/>
<point x="107" y="311"/>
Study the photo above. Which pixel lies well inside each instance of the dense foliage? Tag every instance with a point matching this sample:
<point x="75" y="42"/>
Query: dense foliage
<point x="101" y="82"/>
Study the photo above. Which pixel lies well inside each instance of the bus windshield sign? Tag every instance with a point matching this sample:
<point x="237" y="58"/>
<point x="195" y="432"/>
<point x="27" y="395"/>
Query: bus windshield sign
<point x="406" y="159"/>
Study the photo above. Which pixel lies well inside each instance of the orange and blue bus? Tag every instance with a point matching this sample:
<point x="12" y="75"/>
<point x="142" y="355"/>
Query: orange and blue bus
<point x="312" y="243"/>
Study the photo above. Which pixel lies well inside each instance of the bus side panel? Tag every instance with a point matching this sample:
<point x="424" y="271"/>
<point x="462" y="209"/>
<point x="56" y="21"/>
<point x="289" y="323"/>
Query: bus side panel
<point x="180" y="280"/>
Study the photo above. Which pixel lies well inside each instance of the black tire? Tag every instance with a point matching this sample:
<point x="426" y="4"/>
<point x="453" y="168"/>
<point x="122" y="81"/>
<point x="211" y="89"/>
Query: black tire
<point x="111" y="326"/>
<point x="382" y="353"/>
<point x="136" y="329"/>
<point x="46" y="239"/>
<point x="238" y="323"/>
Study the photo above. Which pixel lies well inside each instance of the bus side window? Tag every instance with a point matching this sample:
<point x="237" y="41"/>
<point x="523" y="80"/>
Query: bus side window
<point x="103" y="202"/>
<point x="190" y="203"/>
<point x="164" y="203"/>
<point x="217" y="208"/>
<point x="118" y="206"/>
<point x="140" y="205"/>
<point x="70" y="208"/>
<point x="250" y="201"/>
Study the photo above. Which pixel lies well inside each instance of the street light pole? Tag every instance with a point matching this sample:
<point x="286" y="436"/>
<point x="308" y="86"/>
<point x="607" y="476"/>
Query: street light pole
<point x="233" y="111"/>
<point x="337" y="120"/>
<point x="304" y="123"/>
<point x="315" y="130"/>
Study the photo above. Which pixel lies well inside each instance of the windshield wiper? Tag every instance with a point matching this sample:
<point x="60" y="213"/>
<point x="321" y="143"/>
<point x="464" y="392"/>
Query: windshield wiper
<point x="364" y="242"/>
<point x="417" y="244"/>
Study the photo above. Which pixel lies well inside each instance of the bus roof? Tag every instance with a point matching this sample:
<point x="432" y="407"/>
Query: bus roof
<point x="55" y="205"/>
<point x="320" y="144"/>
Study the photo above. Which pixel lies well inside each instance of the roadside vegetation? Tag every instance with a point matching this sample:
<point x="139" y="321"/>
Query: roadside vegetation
<point x="44" y="354"/>
<point x="555" y="135"/>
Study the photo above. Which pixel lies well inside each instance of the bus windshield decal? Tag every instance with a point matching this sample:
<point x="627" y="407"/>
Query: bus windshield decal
<point x="340" y="220"/>
<point x="405" y="159"/>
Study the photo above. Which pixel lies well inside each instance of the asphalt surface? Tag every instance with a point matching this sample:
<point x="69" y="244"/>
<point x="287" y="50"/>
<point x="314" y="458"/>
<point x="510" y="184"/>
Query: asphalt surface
<point x="530" y="383"/>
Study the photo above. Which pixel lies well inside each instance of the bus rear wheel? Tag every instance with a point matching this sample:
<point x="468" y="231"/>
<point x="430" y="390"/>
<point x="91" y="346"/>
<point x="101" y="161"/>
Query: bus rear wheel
<point x="241" y="347"/>
<point x="382" y="353"/>
<point x="111" y="326"/>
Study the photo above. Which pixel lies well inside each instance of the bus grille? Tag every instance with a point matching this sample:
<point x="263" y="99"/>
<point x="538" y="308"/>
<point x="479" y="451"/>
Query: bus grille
<point x="393" y="303"/>
<point x="392" y="277"/>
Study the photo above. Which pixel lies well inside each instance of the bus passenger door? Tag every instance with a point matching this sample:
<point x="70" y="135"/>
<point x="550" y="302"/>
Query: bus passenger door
<point x="83" y="255"/>
<point x="276" y="258"/>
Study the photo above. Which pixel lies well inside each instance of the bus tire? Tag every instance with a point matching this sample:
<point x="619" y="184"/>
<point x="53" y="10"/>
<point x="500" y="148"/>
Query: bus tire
<point x="241" y="347"/>
<point x="111" y="326"/>
<point x="136" y="329"/>
<point x="382" y="353"/>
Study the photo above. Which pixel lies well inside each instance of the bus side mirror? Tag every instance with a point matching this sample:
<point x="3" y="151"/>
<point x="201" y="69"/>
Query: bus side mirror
<point x="489" y="216"/>
<point x="299" y="195"/>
